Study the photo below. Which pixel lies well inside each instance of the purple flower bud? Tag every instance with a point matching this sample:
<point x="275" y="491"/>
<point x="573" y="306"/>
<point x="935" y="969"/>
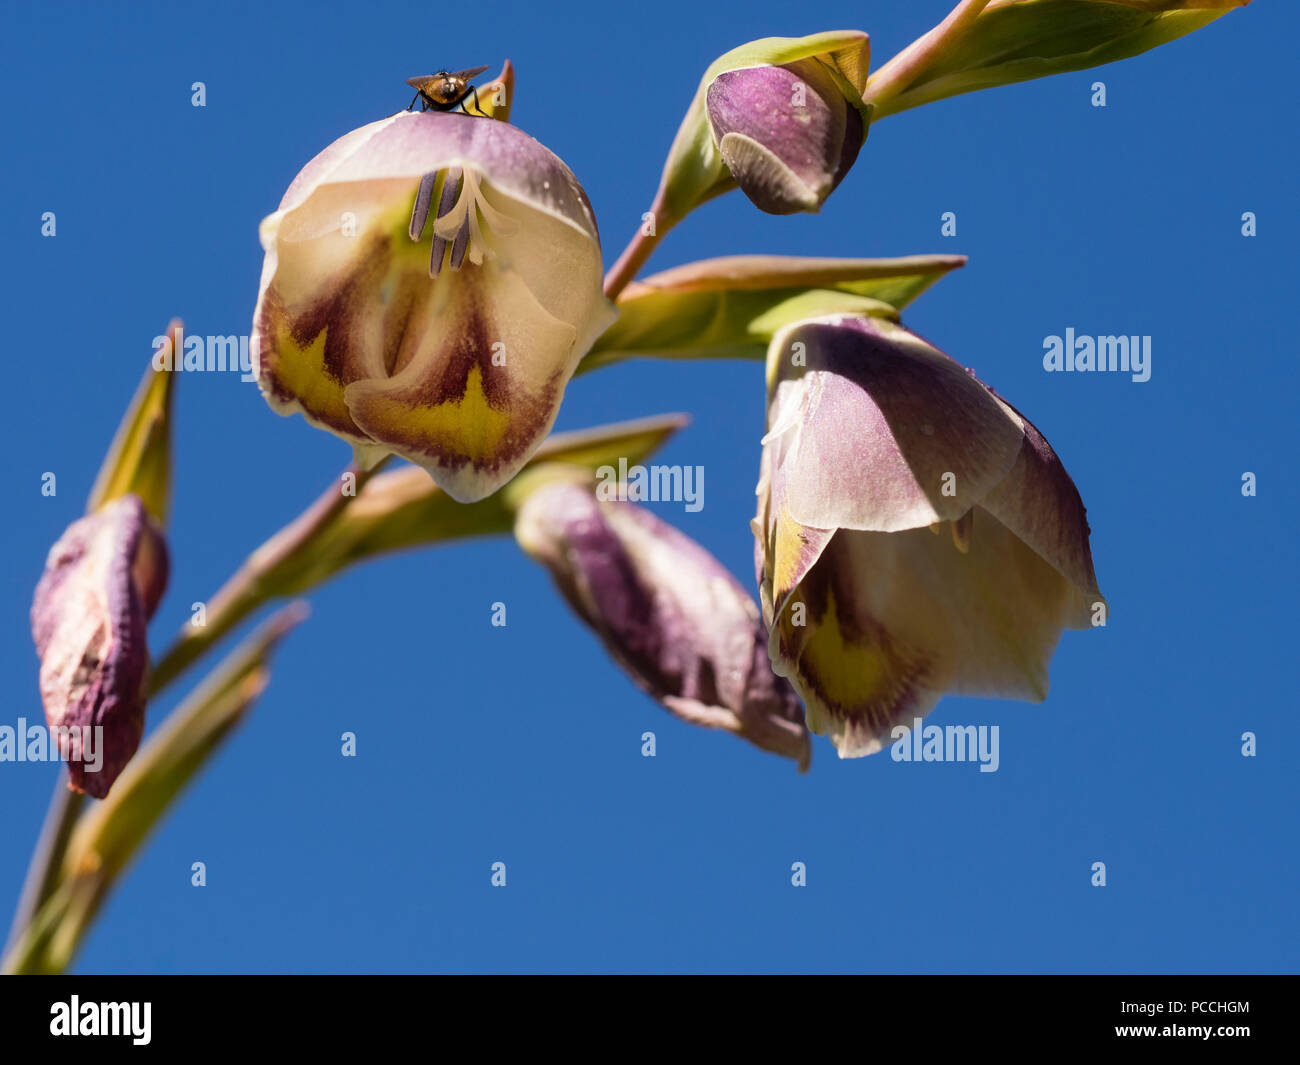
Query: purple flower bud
<point x="787" y="133"/>
<point x="102" y="583"/>
<point x="668" y="612"/>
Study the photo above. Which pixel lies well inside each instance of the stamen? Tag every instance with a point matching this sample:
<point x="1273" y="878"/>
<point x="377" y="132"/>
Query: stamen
<point x="460" y="244"/>
<point x="421" y="212"/>
<point x="464" y="219"/>
<point x="961" y="531"/>
<point x="447" y="203"/>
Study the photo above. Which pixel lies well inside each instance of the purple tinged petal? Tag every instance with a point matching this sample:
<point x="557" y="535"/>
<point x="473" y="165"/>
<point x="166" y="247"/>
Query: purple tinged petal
<point x="787" y="133"/>
<point x="672" y="616"/>
<point x="102" y="581"/>
<point x="865" y="402"/>
<point x="410" y="145"/>
<point x="1039" y="502"/>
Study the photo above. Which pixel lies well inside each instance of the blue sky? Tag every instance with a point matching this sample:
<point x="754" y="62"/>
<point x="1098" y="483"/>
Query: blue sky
<point x="478" y="744"/>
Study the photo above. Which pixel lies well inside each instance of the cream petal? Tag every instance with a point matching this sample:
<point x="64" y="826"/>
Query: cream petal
<point x="406" y="146"/>
<point x="452" y="408"/>
<point x="894" y="620"/>
<point x="319" y="323"/>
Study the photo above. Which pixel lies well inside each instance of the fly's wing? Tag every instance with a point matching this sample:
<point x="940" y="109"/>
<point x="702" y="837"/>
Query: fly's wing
<point x="422" y="80"/>
<point x="465" y="75"/>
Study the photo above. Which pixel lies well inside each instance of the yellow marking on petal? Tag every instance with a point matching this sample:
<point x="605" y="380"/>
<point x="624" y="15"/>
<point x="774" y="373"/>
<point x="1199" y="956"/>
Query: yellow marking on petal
<point x="300" y="371"/>
<point x="863" y="681"/>
<point x="469" y="426"/>
<point x="789" y="550"/>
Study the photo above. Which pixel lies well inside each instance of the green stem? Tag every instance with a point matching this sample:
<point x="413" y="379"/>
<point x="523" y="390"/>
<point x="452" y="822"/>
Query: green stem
<point x="638" y="250"/>
<point x="901" y="71"/>
<point x="43" y="871"/>
<point x="245" y="591"/>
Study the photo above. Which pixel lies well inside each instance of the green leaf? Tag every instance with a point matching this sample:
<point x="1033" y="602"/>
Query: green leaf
<point x="404" y="509"/>
<point x="731" y="307"/>
<point x="392" y="511"/>
<point x="694" y="171"/>
<point x="139" y="458"/>
<point x="1016" y="40"/>
<point x="108" y="836"/>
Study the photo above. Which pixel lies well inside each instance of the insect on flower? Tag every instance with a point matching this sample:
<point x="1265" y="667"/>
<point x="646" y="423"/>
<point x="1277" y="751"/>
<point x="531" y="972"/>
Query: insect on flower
<point x="445" y="92"/>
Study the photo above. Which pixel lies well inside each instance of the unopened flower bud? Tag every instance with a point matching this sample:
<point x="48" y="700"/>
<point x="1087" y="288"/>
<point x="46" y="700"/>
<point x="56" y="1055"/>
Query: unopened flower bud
<point x="668" y="612"/>
<point x="787" y="133"/>
<point x="103" y="580"/>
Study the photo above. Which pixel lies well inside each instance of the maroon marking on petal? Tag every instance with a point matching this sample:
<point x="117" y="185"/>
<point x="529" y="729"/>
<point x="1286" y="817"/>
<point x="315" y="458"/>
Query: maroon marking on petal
<point x="471" y="347"/>
<point x="909" y="669"/>
<point x="334" y="313"/>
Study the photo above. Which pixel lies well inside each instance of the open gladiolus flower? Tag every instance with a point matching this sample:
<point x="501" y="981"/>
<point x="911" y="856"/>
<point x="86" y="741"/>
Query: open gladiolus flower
<point x="431" y="282"/>
<point x="102" y="583"/>
<point x="916" y="534"/>
<point x="668" y="611"/>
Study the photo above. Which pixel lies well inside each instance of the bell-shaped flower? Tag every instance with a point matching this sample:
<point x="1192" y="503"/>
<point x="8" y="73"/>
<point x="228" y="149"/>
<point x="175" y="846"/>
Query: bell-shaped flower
<point x="916" y="534"/>
<point x="431" y="282"/>
<point x="102" y="582"/>
<point x="668" y="612"/>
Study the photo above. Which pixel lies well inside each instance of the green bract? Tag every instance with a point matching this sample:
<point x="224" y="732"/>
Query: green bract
<point x="1017" y="40"/>
<point x="139" y="458"/>
<point x="731" y="307"/>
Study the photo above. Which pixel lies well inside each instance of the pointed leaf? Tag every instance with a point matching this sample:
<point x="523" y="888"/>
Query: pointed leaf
<point x="501" y="88"/>
<point x="732" y="307"/>
<point x="390" y="512"/>
<point x="1016" y="40"/>
<point x="110" y="833"/>
<point x="139" y="458"/>
<point x="405" y="509"/>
